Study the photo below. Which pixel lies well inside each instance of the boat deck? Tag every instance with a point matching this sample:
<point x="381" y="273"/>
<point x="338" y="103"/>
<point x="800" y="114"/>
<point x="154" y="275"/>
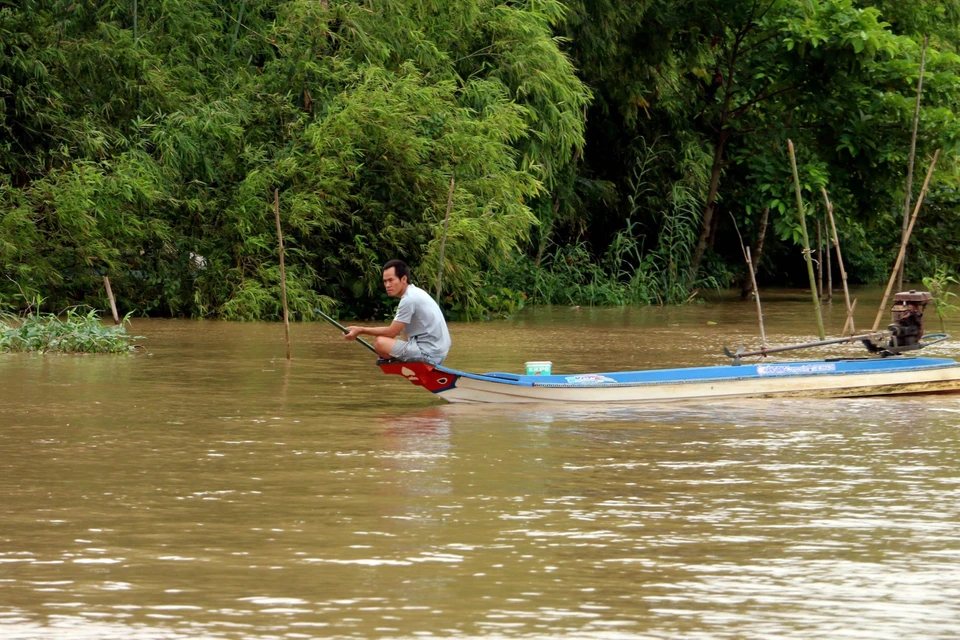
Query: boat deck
<point x="716" y="373"/>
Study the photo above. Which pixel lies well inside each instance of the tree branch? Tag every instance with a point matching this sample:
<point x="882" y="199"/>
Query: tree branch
<point x="766" y="38"/>
<point x="767" y="10"/>
<point x="739" y="111"/>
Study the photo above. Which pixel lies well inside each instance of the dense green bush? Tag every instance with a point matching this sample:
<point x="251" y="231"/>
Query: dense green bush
<point x="603" y="152"/>
<point x="75" y="332"/>
<point x="147" y="147"/>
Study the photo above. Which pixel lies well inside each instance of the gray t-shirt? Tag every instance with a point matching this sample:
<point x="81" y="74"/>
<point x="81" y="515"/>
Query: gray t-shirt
<point x="425" y="323"/>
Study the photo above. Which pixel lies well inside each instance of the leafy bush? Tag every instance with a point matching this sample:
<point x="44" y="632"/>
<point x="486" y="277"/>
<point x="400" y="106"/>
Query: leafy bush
<point x="938" y="285"/>
<point x="75" y="333"/>
<point x="137" y="142"/>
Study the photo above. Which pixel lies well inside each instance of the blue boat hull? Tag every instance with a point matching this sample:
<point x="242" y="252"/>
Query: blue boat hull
<point x="822" y="378"/>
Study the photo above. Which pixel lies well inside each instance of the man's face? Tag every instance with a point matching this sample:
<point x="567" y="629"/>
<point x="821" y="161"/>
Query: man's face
<point x="392" y="283"/>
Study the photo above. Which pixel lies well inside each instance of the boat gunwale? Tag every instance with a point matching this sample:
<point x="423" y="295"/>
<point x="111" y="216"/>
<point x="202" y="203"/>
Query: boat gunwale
<point x="527" y="381"/>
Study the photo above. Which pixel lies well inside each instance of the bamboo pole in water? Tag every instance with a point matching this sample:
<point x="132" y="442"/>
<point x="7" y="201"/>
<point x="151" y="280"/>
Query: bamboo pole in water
<point x="756" y="294"/>
<point x="913" y="153"/>
<point x="829" y="259"/>
<point x="905" y="240"/>
<point x="843" y="272"/>
<point x="443" y="242"/>
<point x="113" y="301"/>
<point x="849" y="322"/>
<point x="283" y="274"/>
<point x="806" y="241"/>
<point x="819" y="263"/>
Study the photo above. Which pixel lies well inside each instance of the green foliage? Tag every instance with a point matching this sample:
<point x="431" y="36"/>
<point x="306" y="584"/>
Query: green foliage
<point x="727" y="83"/>
<point x="938" y="285"/>
<point x="75" y="333"/>
<point x="152" y="156"/>
<point x="603" y="152"/>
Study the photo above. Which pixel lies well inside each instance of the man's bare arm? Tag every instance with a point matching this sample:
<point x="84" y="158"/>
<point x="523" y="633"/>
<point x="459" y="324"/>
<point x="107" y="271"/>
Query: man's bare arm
<point x="388" y="332"/>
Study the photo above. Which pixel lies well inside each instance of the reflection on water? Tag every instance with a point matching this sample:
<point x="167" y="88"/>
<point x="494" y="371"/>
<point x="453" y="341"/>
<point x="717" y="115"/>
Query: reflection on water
<point x="207" y="489"/>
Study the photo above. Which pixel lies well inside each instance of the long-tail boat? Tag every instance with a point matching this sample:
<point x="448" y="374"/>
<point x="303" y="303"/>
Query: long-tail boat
<point x="888" y="370"/>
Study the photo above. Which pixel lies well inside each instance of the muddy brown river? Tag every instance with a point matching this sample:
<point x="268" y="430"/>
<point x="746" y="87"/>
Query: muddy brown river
<point x="204" y="488"/>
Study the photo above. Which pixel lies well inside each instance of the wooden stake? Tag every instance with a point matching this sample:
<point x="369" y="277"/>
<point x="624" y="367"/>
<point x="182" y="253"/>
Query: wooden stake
<point x="443" y="242"/>
<point x="283" y="273"/>
<point x="905" y="240"/>
<point x="756" y="294"/>
<point x="819" y="263"/>
<point x="913" y="153"/>
<point x="113" y="302"/>
<point x="806" y="241"/>
<point x="829" y="267"/>
<point x="849" y="322"/>
<point x="843" y="272"/>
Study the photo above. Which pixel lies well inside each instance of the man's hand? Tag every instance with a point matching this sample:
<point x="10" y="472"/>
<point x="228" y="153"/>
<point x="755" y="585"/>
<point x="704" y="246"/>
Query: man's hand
<point x="352" y="333"/>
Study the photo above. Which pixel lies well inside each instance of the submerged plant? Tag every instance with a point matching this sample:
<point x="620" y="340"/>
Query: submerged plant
<point x="74" y="333"/>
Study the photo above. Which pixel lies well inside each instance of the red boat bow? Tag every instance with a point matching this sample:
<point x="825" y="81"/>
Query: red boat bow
<point x="421" y="373"/>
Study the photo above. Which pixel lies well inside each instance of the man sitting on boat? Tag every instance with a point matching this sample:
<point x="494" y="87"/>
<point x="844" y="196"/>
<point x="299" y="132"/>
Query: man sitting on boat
<point x="418" y="315"/>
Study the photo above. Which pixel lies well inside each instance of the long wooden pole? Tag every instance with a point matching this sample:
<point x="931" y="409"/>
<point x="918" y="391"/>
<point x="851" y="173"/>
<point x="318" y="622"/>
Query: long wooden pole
<point x="344" y="330"/>
<point x="443" y="242"/>
<point x="843" y="272"/>
<point x="756" y="295"/>
<point x="806" y="241"/>
<point x="829" y="260"/>
<point x="819" y="262"/>
<point x="913" y="153"/>
<point x="903" y="242"/>
<point x="283" y="273"/>
<point x="113" y="301"/>
<point x="849" y="322"/>
<point x="794" y="347"/>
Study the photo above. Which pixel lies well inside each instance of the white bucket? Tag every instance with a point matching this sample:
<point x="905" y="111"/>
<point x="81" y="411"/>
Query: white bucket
<point x="539" y="368"/>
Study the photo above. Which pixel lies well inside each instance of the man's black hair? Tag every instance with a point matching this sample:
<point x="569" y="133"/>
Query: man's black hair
<point x="399" y="267"/>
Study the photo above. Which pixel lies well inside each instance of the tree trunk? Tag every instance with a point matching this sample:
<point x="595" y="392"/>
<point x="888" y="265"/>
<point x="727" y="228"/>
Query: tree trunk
<point x="761" y="234"/>
<point x="707" y="223"/>
<point x="757" y="252"/>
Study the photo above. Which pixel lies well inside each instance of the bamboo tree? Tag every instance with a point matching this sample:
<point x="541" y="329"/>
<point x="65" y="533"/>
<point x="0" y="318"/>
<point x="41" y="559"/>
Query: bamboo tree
<point x="236" y="28"/>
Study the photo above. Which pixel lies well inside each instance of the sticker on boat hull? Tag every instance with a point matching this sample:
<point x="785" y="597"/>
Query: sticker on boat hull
<point x="795" y="369"/>
<point x="589" y="378"/>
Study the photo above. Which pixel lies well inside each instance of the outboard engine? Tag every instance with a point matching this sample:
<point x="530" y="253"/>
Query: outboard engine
<point x="907" y="326"/>
<point x="907" y="315"/>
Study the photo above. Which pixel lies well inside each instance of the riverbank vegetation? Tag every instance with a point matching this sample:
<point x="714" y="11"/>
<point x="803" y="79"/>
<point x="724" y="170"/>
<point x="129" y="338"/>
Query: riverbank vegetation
<point x="602" y="152"/>
<point x="72" y="332"/>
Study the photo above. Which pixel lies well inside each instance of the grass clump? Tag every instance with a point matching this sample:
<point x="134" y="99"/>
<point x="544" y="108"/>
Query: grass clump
<point x="75" y="332"/>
